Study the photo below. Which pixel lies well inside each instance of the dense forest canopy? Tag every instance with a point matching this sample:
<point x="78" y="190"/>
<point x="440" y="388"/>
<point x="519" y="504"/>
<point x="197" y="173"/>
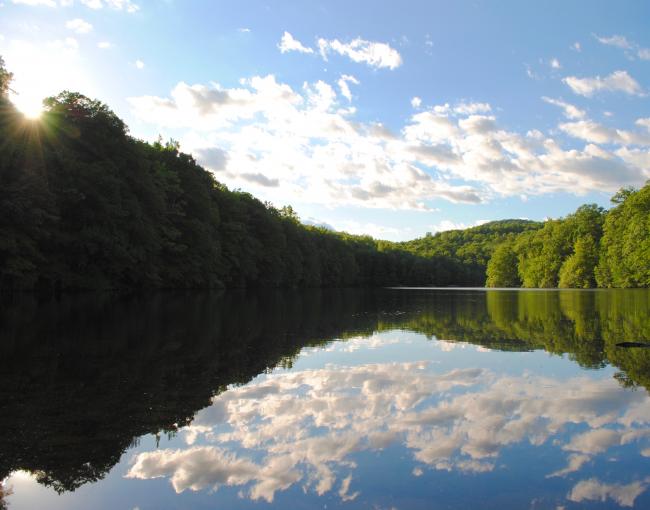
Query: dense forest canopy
<point x="589" y="248"/>
<point x="83" y="205"/>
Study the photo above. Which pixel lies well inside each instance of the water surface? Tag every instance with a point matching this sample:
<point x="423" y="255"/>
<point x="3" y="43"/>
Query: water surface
<point x="399" y="398"/>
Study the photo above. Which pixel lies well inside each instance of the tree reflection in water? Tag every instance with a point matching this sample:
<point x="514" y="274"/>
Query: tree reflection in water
<point x="84" y="378"/>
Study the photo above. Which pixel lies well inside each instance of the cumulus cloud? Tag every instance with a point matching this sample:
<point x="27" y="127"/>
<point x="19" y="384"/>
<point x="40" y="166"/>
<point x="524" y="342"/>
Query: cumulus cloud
<point x="595" y="490"/>
<point x="79" y="26"/>
<point x="416" y="102"/>
<point x="555" y="63"/>
<point x="303" y="142"/>
<point x="213" y="158"/>
<point x="591" y="131"/>
<point x="618" y="81"/>
<point x="139" y="64"/>
<point x="293" y="145"/>
<point x="289" y="43"/>
<point x="374" y="54"/>
<point x="570" y="111"/>
<point x="260" y="179"/>
<point x="472" y="108"/>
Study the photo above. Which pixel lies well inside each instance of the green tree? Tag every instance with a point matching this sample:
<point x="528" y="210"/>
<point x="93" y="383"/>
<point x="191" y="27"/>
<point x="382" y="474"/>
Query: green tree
<point x="502" y="268"/>
<point x="625" y="246"/>
<point x="577" y="271"/>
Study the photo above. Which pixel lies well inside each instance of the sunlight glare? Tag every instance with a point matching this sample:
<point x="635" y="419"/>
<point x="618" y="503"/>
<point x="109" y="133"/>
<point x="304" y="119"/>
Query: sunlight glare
<point x="43" y="70"/>
<point x="30" y="105"/>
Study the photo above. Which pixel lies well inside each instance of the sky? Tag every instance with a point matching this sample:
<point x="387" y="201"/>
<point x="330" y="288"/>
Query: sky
<point x="391" y="119"/>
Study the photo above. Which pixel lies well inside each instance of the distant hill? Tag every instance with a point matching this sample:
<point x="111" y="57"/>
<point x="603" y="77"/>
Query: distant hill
<point x="471" y="247"/>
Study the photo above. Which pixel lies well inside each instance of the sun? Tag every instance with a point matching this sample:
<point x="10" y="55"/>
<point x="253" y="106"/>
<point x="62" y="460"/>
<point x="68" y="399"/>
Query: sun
<point x="31" y="105"/>
<point x="41" y="70"/>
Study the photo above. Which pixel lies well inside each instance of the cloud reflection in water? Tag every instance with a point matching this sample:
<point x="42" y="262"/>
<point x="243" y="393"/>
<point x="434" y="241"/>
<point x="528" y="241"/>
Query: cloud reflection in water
<point x="305" y="427"/>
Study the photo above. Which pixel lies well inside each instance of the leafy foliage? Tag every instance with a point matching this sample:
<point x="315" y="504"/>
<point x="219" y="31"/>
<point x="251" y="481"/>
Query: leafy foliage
<point x="591" y="247"/>
<point x="625" y="246"/>
<point x="502" y="268"/>
<point x="471" y="248"/>
<point x="85" y="206"/>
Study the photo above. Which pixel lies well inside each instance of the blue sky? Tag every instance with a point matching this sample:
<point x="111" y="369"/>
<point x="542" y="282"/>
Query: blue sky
<point x="386" y="118"/>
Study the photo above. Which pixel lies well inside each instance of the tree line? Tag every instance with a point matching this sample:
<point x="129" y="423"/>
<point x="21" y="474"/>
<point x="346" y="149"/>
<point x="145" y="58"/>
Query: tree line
<point x="83" y="205"/>
<point x="592" y="247"/>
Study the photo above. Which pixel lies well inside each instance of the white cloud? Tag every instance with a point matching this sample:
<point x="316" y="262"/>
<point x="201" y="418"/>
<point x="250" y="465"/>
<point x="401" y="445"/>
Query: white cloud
<point x="591" y="131"/>
<point x="345" y="488"/>
<point x="445" y="225"/>
<point x="47" y="3"/>
<point x="365" y="228"/>
<point x="375" y="54"/>
<point x="594" y="441"/>
<point x="307" y="145"/>
<point x="244" y="30"/>
<point x="344" y="87"/>
<point x="118" y="5"/>
<point x="623" y="43"/>
<point x="104" y="45"/>
<point x="79" y="26"/>
<point x="288" y="43"/>
<point x="304" y="141"/>
<point x="139" y="64"/>
<point x="555" y="63"/>
<point x="618" y="81"/>
<point x="472" y="108"/>
<point x="618" y="41"/>
<point x="570" y="111"/>
<point x="643" y="123"/>
<point x="576" y="461"/>
<point x="595" y="490"/>
<point x="416" y="102"/>
<point x="576" y="46"/>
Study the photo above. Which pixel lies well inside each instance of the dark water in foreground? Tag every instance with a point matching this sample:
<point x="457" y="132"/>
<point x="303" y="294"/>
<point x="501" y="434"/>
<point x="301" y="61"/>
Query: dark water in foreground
<point x="325" y="399"/>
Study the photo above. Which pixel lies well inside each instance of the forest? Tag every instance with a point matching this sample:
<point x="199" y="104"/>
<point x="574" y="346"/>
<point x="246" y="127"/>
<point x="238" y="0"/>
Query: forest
<point x="590" y="248"/>
<point x="84" y="205"/>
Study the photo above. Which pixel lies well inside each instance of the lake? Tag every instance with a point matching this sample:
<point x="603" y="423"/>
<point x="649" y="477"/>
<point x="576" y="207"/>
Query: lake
<point x="375" y="399"/>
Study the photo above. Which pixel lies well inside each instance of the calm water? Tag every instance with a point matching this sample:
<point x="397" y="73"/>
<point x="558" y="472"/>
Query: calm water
<point x="387" y="399"/>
